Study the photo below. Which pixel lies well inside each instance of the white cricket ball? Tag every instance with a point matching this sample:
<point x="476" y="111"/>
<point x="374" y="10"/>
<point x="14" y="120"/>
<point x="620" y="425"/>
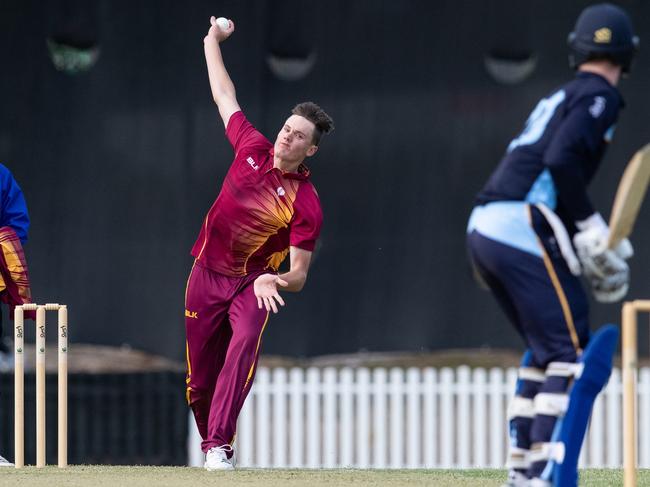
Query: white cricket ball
<point x="223" y="23"/>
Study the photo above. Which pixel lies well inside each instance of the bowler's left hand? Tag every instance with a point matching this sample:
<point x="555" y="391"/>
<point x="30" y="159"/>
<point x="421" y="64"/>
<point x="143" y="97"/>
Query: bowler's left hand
<point x="265" y="288"/>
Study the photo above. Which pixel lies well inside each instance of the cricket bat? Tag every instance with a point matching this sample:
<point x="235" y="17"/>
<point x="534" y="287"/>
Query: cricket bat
<point x="629" y="196"/>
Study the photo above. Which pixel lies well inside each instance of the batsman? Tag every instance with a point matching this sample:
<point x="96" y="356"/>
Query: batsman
<point x="534" y="232"/>
<point x="267" y="209"/>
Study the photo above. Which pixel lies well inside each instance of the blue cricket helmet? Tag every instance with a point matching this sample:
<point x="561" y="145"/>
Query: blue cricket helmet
<point x="603" y="31"/>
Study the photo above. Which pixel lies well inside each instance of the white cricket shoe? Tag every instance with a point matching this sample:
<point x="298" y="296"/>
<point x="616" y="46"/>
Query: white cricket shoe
<point x="5" y="463"/>
<point x="217" y="458"/>
<point x="516" y="479"/>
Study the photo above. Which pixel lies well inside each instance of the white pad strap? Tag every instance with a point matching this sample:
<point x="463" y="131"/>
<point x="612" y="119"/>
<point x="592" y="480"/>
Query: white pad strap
<point x="532" y="374"/>
<point x="551" y="404"/>
<point x="520" y="407"/>
<point x="518" y="458"/>
<point x="543" y="452"/>
<point x="561" y="369"/>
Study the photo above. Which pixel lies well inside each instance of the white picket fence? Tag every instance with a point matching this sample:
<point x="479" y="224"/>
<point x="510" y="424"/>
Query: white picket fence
<point x="396" y="418"/>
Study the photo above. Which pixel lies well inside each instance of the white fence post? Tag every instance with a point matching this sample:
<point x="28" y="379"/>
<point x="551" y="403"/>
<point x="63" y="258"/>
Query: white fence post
<point x="497" y="418"/>
<point x="244" y="444"/>
<point x="194" y="452"/>
<point x="297" y="419"/>
<point x="263" y="419"/>
<point x="379" y="421"/>
<point x="413" y="418"/>
<point x="279" y="423"/>
<point x="447" y="422"/>
<point x="614" y="421"/>
<point x="329" y="418"/>
<point x="430" y="418"/>
<point x="479" y="422"/>
<point x="596" y="433"/>
<point x="313" y="418"/>
<point x="396" y="450"/>
<point x="347" y="425"/>
<point x="362" y="418"/>
<point x="463" y="393"/>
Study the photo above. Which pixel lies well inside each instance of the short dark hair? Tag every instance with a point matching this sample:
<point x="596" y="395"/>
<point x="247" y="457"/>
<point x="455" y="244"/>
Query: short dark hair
<point x="316" y="115"/>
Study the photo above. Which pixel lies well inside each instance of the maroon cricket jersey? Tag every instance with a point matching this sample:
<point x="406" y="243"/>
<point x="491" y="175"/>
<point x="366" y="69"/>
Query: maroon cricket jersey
<point x="260" y="211"/>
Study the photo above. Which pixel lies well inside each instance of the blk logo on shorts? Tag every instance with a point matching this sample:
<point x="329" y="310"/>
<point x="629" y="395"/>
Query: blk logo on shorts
<point x="191" y="314"/>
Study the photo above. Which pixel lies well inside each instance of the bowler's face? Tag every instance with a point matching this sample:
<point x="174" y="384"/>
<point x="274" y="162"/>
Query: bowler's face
<point x="294" y="141"/>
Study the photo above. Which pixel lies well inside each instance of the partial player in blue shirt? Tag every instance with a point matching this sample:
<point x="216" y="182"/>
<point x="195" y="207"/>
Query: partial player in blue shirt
<point x="560" y="149"/>
<point x="534" y="231"/>
<point x="13" y="212"/>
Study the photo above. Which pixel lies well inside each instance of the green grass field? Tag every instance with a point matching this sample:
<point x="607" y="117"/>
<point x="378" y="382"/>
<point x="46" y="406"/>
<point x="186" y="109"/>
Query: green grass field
<point x="91" y="476"/>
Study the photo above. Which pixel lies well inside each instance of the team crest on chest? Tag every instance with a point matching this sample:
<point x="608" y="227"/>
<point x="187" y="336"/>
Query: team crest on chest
<point x="281" y="191"/>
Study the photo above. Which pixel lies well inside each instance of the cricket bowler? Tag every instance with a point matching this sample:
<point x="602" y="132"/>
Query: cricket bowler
<point x="267" y="209"/>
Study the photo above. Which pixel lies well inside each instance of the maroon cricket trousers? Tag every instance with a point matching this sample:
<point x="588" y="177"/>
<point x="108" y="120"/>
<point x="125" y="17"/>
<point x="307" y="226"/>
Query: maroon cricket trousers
<point x="224" y="330"/>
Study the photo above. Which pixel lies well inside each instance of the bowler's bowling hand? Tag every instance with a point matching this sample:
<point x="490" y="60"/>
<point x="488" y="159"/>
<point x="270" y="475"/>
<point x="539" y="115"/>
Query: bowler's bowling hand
<point x="218" y="33"/>
<point x="265" y="288"/>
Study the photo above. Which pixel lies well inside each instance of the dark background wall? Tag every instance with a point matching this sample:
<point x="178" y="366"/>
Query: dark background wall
<point x="119" y="165"/>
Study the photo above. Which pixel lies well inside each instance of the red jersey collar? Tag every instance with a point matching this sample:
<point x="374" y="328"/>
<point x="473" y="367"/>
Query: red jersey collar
<point x="301" y="174"/>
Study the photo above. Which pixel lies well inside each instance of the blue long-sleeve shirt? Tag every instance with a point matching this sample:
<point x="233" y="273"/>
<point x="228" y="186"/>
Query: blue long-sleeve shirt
<point x="553" y="160"/>
<point x="13" y="212"/>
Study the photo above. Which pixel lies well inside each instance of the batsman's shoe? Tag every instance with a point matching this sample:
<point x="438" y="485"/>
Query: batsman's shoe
<point x="516" y="479"/>
<point x="5" y="463"/>
<point x="217" y="458"/>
